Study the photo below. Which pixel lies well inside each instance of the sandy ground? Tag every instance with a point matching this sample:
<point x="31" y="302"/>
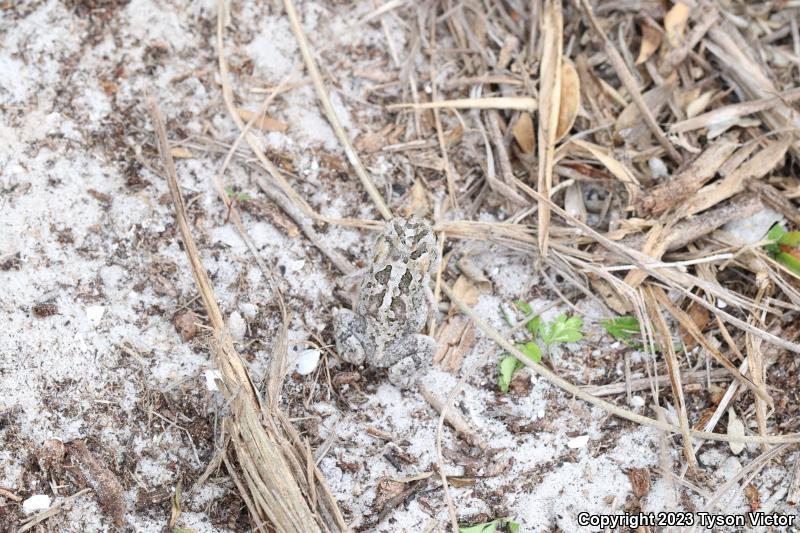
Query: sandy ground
<point x="92" y="277"/>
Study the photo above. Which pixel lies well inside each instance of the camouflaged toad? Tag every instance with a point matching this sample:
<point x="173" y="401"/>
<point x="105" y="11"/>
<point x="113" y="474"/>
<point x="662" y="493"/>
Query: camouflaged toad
<point x="392" y="305"/>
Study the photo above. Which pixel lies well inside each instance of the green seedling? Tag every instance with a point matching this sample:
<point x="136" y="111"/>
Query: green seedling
<point x="784" y="247"/>
<point x="626" y="328"/>
<point x="238" y="197"/>
<point x="510" y="364"/>
<point x="562" y="329"/>
<point x="622" y="328"/>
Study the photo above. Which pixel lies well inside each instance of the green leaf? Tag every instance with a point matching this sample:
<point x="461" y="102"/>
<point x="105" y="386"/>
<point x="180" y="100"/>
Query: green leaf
<point x="774" y="234"/>
<point x="244" y="197"/>
<point x="533" y="325"/>
<point x="531" y="351"/>
<point x="621" y="328"/>
<point x="175" y="512"/>
<point x="513" y="527"/>
<point x="789" y="261"/>
<point x="562" y="329"/>
<point x="791" y="238"/>
<point x="487" y="527"/>
<point x="524" y="306"/>
<point x="229" y="191"/>
<point x="508" y="365"/>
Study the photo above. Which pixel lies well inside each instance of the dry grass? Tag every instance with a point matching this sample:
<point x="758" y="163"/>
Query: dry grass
<point x="679" y="121"/>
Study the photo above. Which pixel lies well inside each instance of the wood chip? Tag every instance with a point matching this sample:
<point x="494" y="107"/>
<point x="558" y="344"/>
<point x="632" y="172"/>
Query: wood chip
<point x="102" y="480"/>
<point x="263" y="123"/>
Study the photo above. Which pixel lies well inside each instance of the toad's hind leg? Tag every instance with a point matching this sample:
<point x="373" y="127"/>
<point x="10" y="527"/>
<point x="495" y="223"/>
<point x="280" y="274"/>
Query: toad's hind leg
<point x="415" y="351"/>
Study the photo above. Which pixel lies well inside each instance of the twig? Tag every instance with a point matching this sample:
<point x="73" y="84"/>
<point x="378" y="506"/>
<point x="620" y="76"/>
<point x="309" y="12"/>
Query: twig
<point x="50" y="511"/>
<point x="330" y="113"/>
<point x="516" y="103"/>
<point x="673" y="370"/>
<point x="550" y="93"/>
<point x="638" y="384"/>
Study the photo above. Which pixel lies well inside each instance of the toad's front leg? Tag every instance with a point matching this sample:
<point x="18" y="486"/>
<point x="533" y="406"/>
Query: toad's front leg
<point x="350" y="333"/>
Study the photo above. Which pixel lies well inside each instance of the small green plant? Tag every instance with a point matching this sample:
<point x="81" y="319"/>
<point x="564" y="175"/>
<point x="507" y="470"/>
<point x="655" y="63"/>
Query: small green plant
<point x="562" y="329"/>
<point x="784" y="247"/>
<point x="626" y="329"/>
<point x="490" y="527"/>
<point x="510" y="364"/>
<point x="622" y="328"/>
<point x="237" y="197"/>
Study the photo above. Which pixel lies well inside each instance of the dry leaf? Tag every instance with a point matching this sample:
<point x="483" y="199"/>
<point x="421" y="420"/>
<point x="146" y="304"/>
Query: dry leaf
<point x="684" y="97"/>
<point x="420" y="203"/>
<point x="263" y="123"/>
<point x="753" y="497"/>
<point x="700" y="316"/>
<point x="640" y="481"/>
<point x="523" y="133"/>
<point x="570" y="98"/>
<point x="698" y="105"/>
<point x="180" y="153"/>
<point x="465" y="290"/>
<point x="675" y="23"/>
<point x="460" y="482"/>
<point x="735" y="429"/>
<point x="552" y="43"/>
<point x="454" y="340"/>
<point x="474" y="273"/>
<point x="573" y="202"/>
<point x="651" y="40"/>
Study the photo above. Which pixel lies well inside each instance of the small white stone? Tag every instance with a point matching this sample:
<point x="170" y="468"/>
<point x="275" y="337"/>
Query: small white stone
<point x="540" y="413"/>
<point x="657" y="167"/>
<point x="578" y="442"/>
<point x="95" y="313"/>
<point x="753" y="228"/>
<point x="248" y="310"/>
<point x="722" y="304"/>
<point x="296" y="265"/>
<point x="38" y="502"/>
<point x="211" y="379"/>
<point x="637" y="401"/>
<point x="307" y="361"/>
<point x="237" y="326"/>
